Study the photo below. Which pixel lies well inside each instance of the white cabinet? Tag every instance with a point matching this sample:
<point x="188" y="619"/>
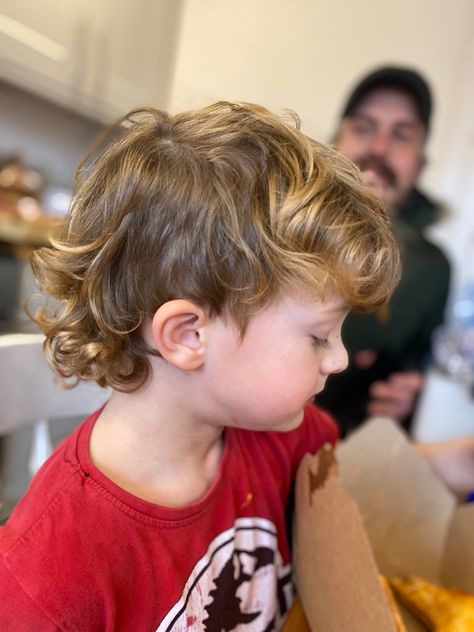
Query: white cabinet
<point x="37" y="47"/>
<point x="98" y="58"/>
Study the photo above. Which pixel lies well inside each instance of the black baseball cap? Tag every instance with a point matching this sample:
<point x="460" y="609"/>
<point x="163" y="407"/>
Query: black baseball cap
<point x="406" y="79"/>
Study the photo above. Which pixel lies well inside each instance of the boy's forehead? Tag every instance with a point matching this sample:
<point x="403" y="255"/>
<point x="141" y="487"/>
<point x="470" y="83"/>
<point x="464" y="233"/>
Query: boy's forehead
<point x="327" y="297"/>
<point x="315" y="304"/>
<point x="333" y="309"/>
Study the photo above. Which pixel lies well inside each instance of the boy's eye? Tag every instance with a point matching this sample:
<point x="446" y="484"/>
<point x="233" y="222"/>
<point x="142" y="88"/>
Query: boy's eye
<point x="320" y="342"/>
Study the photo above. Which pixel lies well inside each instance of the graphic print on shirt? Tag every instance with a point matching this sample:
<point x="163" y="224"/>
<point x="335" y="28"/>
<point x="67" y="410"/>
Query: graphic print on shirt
<point x="240" y="584"/>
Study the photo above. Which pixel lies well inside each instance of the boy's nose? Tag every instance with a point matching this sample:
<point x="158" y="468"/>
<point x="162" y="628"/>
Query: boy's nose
<point x="336" y="361"/>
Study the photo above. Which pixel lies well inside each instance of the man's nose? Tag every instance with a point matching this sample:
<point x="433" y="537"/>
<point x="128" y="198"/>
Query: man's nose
<point x="380" y="144"/>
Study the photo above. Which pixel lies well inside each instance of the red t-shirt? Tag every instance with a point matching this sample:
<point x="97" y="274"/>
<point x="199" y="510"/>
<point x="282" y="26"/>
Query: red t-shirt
<point x="81" y="554"/>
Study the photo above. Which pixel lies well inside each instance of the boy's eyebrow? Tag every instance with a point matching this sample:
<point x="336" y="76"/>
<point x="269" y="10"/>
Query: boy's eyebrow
<point x="341" y="307"/>
<point x="335" y="311"/>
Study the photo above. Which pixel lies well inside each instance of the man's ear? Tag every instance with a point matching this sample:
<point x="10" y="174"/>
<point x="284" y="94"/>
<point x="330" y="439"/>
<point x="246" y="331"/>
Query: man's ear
<point x="178" y="333"/>
<point x="423" y="162"/>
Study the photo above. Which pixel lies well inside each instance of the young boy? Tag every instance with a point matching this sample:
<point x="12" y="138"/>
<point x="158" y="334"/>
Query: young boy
<point x="208" y="262"/>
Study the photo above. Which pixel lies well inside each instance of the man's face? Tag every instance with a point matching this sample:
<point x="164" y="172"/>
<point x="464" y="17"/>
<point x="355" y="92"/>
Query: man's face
<point x="385" y="136"/>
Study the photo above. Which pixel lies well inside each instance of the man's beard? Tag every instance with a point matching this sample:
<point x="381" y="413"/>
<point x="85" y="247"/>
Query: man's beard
<point x="379" y="167"/>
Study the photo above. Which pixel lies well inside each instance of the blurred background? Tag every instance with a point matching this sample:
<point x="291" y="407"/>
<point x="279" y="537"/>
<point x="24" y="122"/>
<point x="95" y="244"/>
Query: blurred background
<point x="68" y="68"/>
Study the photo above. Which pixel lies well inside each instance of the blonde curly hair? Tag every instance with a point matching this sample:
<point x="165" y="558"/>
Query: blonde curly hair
<point x="224" y="206"/>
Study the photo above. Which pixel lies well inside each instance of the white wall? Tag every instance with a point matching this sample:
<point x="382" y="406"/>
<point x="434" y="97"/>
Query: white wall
<point x="305" y="54"/>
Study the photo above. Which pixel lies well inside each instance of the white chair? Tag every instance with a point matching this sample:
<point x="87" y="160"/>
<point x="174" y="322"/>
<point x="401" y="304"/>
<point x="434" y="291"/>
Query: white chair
<point x="31" y="394"/>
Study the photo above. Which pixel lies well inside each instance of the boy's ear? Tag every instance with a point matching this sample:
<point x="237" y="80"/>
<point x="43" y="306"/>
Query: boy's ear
<point x="177" y="331"/>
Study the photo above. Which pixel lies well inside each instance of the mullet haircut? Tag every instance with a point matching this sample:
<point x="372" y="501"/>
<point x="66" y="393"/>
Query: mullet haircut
<point x="228" y="207"/>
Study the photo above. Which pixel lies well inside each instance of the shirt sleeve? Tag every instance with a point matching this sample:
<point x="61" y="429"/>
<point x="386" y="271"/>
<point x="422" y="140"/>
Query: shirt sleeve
<point x="18" y="613"/>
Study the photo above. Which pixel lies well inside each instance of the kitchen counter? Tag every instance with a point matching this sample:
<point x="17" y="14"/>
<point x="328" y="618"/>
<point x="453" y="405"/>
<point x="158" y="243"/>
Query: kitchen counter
<point x="18" y="240"/>
<point x="34" y="234"/>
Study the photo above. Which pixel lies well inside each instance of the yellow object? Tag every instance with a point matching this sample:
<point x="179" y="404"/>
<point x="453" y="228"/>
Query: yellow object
<point x="296" y="620"/>
<point x="440" y="609"/>
<point x="396" y="616"/>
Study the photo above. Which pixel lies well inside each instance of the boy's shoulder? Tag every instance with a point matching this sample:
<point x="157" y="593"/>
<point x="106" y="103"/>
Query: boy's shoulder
<point x="42" y="527"/>
<point x="51" y="484"/>
<point x="68" y="482"/>
<point x="72" y="529"/>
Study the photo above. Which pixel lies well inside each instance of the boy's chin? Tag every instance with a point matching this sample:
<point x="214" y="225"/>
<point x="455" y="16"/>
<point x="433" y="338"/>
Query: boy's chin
<point x="290" y="424"/>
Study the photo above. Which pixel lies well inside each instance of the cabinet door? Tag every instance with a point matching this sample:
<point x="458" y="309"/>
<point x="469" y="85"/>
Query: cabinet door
<point x="39" y="48"/>
<point x="98" y="58"/>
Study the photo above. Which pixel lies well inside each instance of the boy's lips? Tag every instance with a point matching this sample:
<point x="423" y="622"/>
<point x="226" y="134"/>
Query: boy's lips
<point x="311" y="398"/>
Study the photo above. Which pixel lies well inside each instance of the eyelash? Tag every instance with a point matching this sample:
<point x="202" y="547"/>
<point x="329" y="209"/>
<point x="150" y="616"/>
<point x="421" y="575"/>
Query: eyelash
<point x="321" y="342"/>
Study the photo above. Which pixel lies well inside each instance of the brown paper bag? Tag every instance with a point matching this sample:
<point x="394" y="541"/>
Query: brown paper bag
<point x="335" y="572"/>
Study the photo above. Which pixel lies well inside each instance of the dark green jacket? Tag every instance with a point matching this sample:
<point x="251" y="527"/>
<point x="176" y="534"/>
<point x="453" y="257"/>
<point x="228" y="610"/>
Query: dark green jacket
<point x="401" y="334"/>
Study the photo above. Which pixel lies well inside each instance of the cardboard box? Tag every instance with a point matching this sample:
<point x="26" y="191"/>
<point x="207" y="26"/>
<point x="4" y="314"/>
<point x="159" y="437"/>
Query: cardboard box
<point x="379" y="509"/>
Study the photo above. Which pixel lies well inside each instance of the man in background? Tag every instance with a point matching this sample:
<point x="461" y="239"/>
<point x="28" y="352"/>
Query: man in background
<point x="384" y="127"/>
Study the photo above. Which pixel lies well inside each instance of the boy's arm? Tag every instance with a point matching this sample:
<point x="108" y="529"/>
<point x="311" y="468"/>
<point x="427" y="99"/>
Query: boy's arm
<point x="18" y="613"/>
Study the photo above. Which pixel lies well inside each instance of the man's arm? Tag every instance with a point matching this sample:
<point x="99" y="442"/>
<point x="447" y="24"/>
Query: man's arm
<point x="453" y="462"/>
<point x="396" y="396"/>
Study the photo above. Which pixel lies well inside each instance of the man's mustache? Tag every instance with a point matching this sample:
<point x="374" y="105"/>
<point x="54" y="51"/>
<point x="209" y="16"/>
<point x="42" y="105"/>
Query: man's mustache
<point x="378" y="166"/>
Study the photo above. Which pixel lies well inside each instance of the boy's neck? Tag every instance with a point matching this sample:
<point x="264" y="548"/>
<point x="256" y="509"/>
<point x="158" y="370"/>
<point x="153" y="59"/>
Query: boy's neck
<point x="156" y="449"/>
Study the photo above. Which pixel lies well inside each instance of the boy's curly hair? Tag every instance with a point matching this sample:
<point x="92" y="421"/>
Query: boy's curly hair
<point x="224" y="206"/>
